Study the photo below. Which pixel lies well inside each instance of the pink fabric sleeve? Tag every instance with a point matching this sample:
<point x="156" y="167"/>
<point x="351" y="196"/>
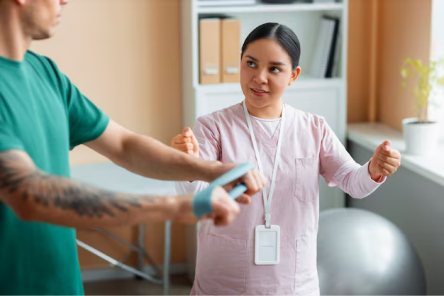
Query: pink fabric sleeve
<point x="339" y="169"/>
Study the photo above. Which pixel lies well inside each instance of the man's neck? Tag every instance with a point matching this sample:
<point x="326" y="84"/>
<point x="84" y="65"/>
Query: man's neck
<point x="269" y="112"/>
<point x="13" y="41"/>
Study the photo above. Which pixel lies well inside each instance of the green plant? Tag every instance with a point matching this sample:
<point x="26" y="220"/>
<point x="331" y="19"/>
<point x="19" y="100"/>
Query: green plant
<point x="427" y="80"/>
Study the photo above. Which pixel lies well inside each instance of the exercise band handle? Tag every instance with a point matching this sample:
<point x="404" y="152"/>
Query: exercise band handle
<point x="202" y="200"/>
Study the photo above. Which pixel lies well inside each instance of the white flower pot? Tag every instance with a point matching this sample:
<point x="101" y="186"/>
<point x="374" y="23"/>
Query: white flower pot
<point x="420" y="138"/>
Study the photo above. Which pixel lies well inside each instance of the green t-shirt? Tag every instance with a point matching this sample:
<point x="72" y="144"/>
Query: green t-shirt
<point x="45" y="115"/>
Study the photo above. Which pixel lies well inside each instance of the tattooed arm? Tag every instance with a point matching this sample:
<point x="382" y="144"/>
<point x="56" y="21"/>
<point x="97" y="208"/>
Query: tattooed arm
<point x="36" y="196"/>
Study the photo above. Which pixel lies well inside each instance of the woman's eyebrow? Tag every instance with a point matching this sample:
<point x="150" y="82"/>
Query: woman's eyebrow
<point x="254" y="59"/>
<point x="277" y="63"/>
<point x="271" y="63"/>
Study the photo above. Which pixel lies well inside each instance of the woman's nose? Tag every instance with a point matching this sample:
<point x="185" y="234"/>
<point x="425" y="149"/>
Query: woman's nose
<point x="261" y="77"/>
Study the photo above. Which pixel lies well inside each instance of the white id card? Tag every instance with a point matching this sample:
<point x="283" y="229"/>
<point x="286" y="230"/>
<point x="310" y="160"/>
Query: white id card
<point x="267" y="245"/>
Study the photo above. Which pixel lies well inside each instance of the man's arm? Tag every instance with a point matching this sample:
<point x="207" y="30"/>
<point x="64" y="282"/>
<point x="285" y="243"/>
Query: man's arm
<point x="150" y="158"/>
<point x="36" y="196"/>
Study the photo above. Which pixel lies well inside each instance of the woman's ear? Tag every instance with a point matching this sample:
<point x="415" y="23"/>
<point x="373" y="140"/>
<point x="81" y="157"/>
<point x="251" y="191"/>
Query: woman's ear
<point x="294" y="75"/>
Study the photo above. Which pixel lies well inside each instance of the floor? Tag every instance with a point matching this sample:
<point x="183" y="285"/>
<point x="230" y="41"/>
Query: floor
<point x="180" y="285"/>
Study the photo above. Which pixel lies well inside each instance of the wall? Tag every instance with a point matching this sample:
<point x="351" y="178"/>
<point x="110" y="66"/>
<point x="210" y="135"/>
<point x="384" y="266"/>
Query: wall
<point x="358" y="87"/>
<point x="124" y="56"/>
<point x="416" y="205"/>
<point x="403" y="29"/>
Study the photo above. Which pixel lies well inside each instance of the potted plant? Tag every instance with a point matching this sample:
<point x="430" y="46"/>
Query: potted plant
<point x="421" y="134"/>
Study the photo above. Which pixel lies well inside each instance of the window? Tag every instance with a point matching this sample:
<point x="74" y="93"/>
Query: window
<point x="437" y="113"/>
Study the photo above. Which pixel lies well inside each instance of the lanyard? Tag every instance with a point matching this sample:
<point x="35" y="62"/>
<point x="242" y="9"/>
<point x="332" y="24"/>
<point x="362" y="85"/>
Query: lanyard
<point x="267" y="201"/>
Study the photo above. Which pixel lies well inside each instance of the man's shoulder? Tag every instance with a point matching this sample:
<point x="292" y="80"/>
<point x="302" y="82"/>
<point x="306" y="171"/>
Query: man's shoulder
<point x="40" y="62"/>
<point x="45" y="67"/>
<point x="35" y="59"/>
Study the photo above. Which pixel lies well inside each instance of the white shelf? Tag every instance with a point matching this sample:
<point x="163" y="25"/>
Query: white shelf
<point x="271" y="8"/>
<point x="371" y="135"/>
<point x="301" y="83"/>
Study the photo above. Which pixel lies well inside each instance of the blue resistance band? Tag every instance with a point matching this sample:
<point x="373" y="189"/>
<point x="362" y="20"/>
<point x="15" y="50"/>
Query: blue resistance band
<point x="202" y="200"/>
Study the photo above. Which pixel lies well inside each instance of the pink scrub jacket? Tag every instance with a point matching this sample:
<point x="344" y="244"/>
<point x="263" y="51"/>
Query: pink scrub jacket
<point x="225" y="255"/>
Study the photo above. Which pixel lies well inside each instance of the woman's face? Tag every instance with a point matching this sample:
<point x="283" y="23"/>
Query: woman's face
<point x="266" y="71"/>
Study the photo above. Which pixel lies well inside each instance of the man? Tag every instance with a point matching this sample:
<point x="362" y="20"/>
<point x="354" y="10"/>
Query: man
<point x="42" y="116"/>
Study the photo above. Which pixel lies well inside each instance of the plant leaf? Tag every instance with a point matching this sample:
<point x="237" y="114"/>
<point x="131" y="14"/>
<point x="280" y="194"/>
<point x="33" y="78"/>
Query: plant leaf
<point x="404" y="73"/>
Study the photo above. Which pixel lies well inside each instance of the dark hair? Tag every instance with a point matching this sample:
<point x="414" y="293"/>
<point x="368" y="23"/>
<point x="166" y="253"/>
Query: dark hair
<point x="282" y="34"/>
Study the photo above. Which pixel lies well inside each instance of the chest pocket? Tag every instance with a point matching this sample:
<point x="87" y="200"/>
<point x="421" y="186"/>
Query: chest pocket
<point x="306" y="187"/>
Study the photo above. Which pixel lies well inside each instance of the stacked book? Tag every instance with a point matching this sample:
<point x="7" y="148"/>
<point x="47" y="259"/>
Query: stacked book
<point x="326" y="58"/>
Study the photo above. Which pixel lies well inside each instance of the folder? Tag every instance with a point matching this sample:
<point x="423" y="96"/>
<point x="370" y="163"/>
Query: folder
<point x="209" y="50"/>
<point x="230" y="65"/>
<point x="333" y="49"/>
<point x="322" y="51"/>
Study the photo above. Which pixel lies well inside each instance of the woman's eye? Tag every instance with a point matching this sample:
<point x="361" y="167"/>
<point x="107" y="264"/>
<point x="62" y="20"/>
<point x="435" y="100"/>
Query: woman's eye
<point x="251" y="64"/>
<point x="275" y="70"/>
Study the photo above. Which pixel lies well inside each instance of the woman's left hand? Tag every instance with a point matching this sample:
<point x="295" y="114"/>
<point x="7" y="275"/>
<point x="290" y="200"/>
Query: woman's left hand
<point x="385" y="161"/>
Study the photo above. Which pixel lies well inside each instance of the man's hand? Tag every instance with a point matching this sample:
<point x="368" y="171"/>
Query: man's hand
<point x="254" y="180"/>
<point x="225" y="209"/>
<point x="385" y="161"/>
<point x="186" y="142"/>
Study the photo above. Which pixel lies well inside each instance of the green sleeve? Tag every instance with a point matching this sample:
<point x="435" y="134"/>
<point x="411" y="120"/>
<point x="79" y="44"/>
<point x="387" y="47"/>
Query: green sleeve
<point x="86" y="121"/>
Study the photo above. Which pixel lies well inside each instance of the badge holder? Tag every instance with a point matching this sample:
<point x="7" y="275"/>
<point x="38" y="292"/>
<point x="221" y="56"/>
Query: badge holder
<point x="267" y="245"/>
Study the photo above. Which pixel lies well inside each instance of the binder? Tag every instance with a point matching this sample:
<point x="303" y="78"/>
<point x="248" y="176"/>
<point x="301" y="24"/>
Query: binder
<point x="323" y="47"/>
<point x="333" y="49"/>
<point x="337" y="63"/>
<point x="210" y="50"/>
<point x="230" y="58"/>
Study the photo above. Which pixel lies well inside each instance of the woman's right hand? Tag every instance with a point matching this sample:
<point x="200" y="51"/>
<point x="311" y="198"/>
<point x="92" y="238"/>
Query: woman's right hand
<point x="186" y="142"/>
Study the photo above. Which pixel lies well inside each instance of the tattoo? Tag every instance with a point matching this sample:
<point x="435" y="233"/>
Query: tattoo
<point x="20" y="176"/>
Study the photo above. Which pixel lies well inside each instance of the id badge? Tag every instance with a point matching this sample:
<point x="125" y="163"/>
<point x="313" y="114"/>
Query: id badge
<point x="267" y="245"/>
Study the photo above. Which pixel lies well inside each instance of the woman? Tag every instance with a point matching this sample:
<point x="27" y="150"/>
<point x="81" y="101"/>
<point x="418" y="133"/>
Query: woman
<point x="291" y="148"/>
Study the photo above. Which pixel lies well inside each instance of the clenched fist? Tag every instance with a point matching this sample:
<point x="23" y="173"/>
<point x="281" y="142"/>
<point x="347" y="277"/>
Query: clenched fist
<point x="385" y="161"/>
<point x="186" y="142"/>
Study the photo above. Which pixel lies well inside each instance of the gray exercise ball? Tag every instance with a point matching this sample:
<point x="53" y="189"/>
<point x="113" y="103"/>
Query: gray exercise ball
<point x="362" y="253"/>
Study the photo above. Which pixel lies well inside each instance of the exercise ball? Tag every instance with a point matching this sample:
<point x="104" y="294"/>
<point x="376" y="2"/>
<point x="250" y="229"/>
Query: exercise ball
<point x="362" y="253"/>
